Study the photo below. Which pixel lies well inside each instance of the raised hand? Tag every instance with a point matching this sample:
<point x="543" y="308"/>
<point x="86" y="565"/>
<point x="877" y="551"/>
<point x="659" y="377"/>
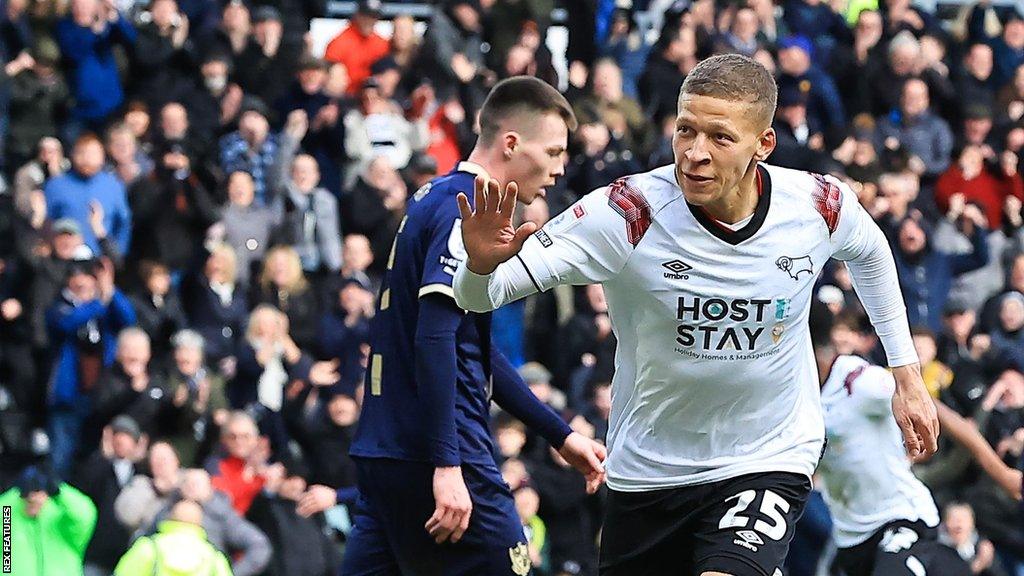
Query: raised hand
<point x="488" y="233"/>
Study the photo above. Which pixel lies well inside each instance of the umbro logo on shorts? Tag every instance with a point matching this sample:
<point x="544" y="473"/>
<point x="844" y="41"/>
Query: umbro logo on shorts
<point x="748" y="539"/>
<point x="677" y="269"/>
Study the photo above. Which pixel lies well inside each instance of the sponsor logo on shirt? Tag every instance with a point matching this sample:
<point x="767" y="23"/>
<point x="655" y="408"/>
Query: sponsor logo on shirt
<point x="704" y="330"/>
<point x="545" y="240"/>
<point x="677" y="269"/>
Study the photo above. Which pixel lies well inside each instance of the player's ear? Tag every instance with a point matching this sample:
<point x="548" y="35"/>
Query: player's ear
<point x="765" y="145"/>
<point x="510" y="142"/>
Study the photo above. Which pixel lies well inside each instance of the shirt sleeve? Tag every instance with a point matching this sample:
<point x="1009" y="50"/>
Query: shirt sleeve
<point x="859" y="241"/>
<point x="588" y="243"/>
<point x="445" y="252"/>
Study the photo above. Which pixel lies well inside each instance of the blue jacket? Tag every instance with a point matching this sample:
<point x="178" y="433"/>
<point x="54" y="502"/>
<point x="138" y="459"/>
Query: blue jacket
<point x="69" y="195"/>
<point x="824" y="104"/>
<point x="94" y="77"/>
<point x="925" y="280"/>
<point x="64" y="320"/>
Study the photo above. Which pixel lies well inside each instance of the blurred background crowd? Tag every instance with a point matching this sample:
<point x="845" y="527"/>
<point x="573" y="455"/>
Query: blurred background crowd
<point x="198" y="200"/>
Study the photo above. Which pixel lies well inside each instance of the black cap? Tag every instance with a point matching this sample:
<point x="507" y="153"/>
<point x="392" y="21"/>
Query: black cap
<point x="265" y="13"/>
<point x="369" y="8"/>
<point x="977" y="111"/>
<point x="384" y="64"/>
<point x="76" y="267"/>
<point x="36" y="479"/>
<point x="254" y="104"/>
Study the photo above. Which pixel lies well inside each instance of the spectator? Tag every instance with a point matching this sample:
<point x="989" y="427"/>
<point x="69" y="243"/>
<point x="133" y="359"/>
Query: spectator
<point x="527" y="504"/>
<point x="309" y="217"/>
<point x="452" y="55"/>
<point x="241" y="472"/>
<point x="374" y="207"/>
<point x="180" y="545"/>
<point x="936" y="375"/>
<point x="799" y="136"/>
<point x="87" y="38"/>
<point x="824" y="106"/>
<point x="247" y="547"/>
<point x="1008" y="49"/>
<point x="129" y="387"/>
<point x="83" y="323"/>
<point x="853" y="65"/>
<point x="214" y="103"/>
<point x="603" y="157"/>
<point x="300" y="543"/>
<point x="56" y="522"/>
<point x="198" y="394"/>
<point x="621" y="114"/>
<point x="358" y="45"/>
<point x="38" y="97"/>
<point x="975" y="83"/>
<point x="377" y="128"/>
<point x="926" y="138"/>
<point x="215" y="304"/>
<point x="926" y="274"/>
<point x="175" y="208"/>
<point x="674" y="54"/>
<point x="87" y="189"/>
<point x="161" y="55"/>
<point x="251" y="148"/>
<point x="283" y="285"/>
<point x="261" y="64"/>
<point x="245" y="226"/>
<point x="958" y="532"/>
<point x="973" y="180"/>
<point x="146" y="494"/>
<point x="158" y="308"/>
<point x="1008" y="337"/>
<point x="344" y="332"/>
<point x="819" y="23"/>
<point x="323" y="421"/>
<point x="101" y="478"/>
<point x="17" y="367"/>
<point x="49" y="162"/>
<point x="958" y="320"/>
<point x="357" y="256"/>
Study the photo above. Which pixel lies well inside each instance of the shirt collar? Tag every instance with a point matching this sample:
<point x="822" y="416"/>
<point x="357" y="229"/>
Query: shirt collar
<point x="473" y="168"/>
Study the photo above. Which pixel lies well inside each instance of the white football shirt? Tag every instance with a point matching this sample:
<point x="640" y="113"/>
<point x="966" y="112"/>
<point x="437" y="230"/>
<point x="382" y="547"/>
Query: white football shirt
<point x="865" y="473"/>
<point x="714" y="371"/>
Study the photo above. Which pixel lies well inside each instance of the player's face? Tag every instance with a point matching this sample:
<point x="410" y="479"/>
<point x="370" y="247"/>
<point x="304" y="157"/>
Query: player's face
<point x="539" y="156"/>
<point x="716" y="143"/>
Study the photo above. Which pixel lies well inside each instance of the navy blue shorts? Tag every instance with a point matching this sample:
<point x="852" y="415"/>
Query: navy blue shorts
<point x="396" y="499"/>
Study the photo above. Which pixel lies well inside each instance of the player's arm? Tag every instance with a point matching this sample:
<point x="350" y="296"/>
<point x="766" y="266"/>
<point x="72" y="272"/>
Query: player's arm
<point x="858" y="240"/>
<point x="586" y="244"/>
<point x="515" y="397"/>
<point x="968" y="436"/>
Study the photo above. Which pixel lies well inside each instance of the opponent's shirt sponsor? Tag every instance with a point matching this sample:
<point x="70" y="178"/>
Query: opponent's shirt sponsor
<point x="865" y="473"/>
<point x="714" y="371"/>
<point x="426" y="252"/>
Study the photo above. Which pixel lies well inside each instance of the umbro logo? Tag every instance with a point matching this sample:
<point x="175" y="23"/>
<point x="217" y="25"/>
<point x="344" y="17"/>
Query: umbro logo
<point x="748" y="539"/>
<point x="677" y="270"/>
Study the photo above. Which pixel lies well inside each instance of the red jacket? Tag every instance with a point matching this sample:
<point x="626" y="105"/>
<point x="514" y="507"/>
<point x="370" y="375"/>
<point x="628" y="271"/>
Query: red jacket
<point x="988" y="189"/>
<point x="357" y="53"/>
<point x="231" y="479"/>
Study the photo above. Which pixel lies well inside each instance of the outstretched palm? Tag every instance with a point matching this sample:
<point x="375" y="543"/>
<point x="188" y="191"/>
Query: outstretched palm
<point x="488" y="233"/>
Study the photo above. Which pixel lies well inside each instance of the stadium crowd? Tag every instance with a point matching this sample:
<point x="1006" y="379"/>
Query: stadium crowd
<point x="196" y="211"/>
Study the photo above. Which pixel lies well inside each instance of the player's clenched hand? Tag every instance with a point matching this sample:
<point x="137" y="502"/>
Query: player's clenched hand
<point x="915" y="413"/>
<point x="487" y="233"/>
<point x="452" y="505"/>
<point x="587" y="456"/>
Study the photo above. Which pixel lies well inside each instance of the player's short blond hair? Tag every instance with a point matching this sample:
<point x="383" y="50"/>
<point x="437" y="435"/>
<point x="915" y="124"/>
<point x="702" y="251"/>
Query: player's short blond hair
<point x="738" y="79"/>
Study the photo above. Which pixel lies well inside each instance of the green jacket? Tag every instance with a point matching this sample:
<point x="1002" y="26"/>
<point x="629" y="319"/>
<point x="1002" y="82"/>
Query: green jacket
<point x="177" y="549"/>
<point x="53" y="543"/>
